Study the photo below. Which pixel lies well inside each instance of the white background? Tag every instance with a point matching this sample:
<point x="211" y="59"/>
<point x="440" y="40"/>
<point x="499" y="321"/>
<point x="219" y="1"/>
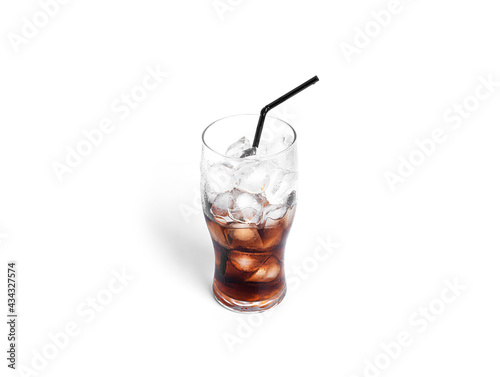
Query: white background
<point x="132" y="202"/>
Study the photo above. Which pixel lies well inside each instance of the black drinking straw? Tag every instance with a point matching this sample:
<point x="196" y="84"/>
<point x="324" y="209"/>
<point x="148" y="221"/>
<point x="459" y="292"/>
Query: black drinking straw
<point x="265" y="110"/>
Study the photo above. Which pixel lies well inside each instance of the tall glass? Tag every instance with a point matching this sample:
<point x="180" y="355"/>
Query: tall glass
<point x="249" y="205"/>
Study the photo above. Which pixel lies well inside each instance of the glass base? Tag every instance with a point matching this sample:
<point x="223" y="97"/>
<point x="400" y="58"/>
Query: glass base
<point x="247" y="306"/>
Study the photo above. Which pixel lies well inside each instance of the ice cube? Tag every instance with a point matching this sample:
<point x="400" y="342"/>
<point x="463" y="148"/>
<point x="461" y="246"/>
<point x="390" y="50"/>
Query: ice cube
<point x="282" y="183"/>
<point x="220" y="207"/>
<point x="236" y="149"/>
<point x="267" y="272"/>
<point x="277" y="144"/>
<point x="272" y="148"/>
<point x="246" y="207"/>
<point x="247" y="262"/>
<point x="261" y="150"/>
<point x="219" y="178"/>
<point x="254" y="176"/>
<point x="275" y="211"/>
<point x="244" y="238"/>
<point x="271" y="234"/>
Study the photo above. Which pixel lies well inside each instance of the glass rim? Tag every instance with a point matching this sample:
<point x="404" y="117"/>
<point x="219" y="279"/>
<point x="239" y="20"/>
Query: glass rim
<point x="274" y="155"/>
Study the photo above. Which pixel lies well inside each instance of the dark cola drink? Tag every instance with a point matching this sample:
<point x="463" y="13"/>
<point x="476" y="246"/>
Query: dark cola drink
<point x="249" y="202"/>
<point x="249" y="260"/>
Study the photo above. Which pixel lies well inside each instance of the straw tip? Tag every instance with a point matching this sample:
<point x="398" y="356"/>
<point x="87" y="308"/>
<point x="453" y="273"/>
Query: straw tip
<point x="249" y="152"/>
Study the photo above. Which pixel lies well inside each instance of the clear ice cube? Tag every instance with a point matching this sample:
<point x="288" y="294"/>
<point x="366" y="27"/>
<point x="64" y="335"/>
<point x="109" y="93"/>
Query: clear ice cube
<point x="247" y="238"/>
<point x="281" y="185"/>
<point x="247" y="262"/>
<point x="220" y="207"/>
<point x="219" y="178"/>
<point x="246" y="207"/>
<point x="254" y="176"/>
<point x="267" y="272"/>
<point x="276" y="144"/>
<point x="236" y="149"/>
<point x="275" y="211"/>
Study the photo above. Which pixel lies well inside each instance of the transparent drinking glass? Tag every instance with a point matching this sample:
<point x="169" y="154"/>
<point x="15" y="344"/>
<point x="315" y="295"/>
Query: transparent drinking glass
<point x="249" y="205"/>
